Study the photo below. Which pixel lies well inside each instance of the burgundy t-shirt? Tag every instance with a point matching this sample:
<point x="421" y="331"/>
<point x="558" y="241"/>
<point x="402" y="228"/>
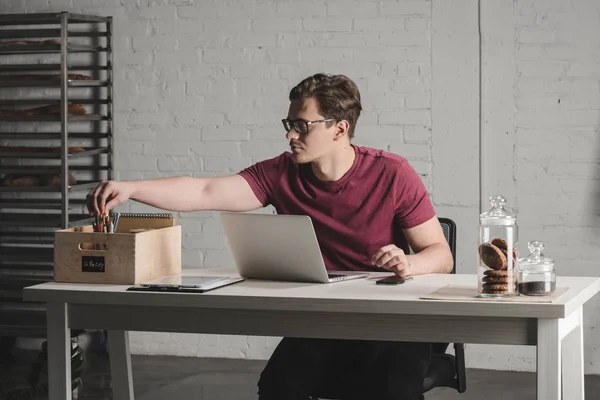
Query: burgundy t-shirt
<point x="354" y="216"/>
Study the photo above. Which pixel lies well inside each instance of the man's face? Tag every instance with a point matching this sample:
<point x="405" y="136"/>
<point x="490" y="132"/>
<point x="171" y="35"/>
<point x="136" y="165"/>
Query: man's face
<point x="318" y="141"/>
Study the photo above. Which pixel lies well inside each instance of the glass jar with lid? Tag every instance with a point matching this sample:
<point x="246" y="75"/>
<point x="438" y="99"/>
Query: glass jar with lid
<point x="536" y="275"/>
<point x="497" y="250"/>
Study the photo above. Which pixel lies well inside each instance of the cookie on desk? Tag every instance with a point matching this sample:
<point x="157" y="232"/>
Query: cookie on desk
<point x="492" y="256"/>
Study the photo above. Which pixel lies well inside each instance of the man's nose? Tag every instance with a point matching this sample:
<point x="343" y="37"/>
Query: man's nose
<point x="291" y="134"/>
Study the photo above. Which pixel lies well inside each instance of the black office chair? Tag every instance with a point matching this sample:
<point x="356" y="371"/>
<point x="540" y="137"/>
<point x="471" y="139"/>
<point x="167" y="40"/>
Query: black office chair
<point x="445" y="369"/>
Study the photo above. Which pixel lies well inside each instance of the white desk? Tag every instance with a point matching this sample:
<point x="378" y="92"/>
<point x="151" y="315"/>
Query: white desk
<point x="355" y="309"/>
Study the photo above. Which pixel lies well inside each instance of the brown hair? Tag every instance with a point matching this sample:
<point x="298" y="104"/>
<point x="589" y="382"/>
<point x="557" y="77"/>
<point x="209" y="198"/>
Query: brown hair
<point x="337" y="96"/>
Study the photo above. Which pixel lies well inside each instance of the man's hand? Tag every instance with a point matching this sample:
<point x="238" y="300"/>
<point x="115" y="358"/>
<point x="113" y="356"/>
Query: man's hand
<point x="107" y="195"/>
<point x="393" y="259"/>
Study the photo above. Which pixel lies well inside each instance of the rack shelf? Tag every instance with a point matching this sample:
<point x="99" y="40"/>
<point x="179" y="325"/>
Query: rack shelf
<point x="51" y="135"/>
<point x="53" y="83"/>
<point x="81" y="185"/>
<point x="49" y="18"/>
<point x="54" y="118"/>
<point x="16" y="240"/>
<point x="17" y="102"/>
<point x="53" y="156"/>
<point x="24" y="237"/>
<point x="44" y="33"/>
<point x="17" y="319"/>
<point x="29" y="216"/>
<point x="17" y="253"/>
<point x="43" y="220"/>
<point x="48" y="68"/>
<point x="45" y="49"/>
<point x="32" y="203"/>
<point x="49" y="169"/>
<point x="20" y="280"/>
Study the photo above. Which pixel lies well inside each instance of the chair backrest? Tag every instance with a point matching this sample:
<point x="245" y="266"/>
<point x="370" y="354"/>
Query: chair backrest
<point x="460" y="381"/>
<point x="449" y="228"/>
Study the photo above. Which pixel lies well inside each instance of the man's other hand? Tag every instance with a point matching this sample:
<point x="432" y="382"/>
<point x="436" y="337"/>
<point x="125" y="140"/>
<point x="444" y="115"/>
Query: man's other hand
<point x="393" y="259"/>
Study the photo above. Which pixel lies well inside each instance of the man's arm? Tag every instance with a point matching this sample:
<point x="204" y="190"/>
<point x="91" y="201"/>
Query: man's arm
<point x="432" y="252"/>
<point x="228" y="193"/>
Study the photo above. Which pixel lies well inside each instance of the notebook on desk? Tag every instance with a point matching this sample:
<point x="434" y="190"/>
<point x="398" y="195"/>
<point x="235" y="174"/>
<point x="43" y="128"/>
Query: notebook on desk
<point x="127" y="222"/>
<point x="186" y="284"/>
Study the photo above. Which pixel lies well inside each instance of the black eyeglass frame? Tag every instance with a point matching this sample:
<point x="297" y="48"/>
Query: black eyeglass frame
<point x="289" y="124"/>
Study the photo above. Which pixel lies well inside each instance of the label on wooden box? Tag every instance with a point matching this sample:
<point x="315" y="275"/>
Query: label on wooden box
<point x="93" y="264"/>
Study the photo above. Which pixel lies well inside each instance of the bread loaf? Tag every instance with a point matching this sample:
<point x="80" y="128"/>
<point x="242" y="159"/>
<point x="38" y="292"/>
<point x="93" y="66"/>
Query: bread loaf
<point x="73" y="109"/>
<point x="18" y="180"/>
<point x="55" y="180"/>
<point x="29" y="149"/>
<point x="21" y="180"/>
<point x="43" y="77"/>
<point x="47" y="42"/>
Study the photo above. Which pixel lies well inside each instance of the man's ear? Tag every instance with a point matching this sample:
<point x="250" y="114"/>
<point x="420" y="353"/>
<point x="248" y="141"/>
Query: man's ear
<point x="342" y="128"/>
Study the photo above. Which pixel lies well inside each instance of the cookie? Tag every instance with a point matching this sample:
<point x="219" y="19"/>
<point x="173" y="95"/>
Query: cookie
<point x="496" y="279"/>
<point x="490" y="291"/>
<point x="496" y="286"/>
<point x="494" y="272"/>
<point x="502" y="245"/>
<point x="492" y="256"/>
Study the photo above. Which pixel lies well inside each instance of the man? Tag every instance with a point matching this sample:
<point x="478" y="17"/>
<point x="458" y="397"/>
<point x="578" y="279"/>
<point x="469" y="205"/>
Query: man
<point x="368" y="206"/>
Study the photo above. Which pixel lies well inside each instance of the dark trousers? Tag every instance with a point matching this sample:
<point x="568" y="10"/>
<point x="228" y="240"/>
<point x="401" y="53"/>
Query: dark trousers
<point x="345" y="370"/>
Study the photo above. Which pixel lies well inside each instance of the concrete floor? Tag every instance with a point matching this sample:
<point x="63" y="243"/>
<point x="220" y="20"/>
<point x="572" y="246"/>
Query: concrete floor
<point x="162" y="377"/>
<point x="159" y="378"/>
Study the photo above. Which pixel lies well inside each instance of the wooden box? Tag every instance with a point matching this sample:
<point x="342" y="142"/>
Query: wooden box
<point x="84" y="256"/>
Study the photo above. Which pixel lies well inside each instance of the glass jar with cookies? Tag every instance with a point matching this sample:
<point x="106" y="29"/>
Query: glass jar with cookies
<point x="497" y="251"/>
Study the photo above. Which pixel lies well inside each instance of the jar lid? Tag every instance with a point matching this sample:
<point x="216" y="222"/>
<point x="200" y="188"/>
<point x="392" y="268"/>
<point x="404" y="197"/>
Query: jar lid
<point x="498" y="214"/>
<point x="536" y="261"/>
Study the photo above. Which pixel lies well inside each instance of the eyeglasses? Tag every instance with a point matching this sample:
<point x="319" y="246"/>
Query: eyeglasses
<point x="301" y="126"/>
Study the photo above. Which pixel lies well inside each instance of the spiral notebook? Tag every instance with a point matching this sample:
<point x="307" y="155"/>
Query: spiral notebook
<point x="130" y="221"/>
<point x="186" y="284"/>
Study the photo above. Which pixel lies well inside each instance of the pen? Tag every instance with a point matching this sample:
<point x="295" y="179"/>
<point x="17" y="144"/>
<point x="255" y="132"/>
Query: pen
<point x="116" y="221"/>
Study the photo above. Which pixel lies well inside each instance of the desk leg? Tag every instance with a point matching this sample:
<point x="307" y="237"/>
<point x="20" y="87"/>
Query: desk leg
<point x="59" y="352"/>
<point x="120" y="365"/>
<point x="548" y="360"/>
<point x="572" y="356"/>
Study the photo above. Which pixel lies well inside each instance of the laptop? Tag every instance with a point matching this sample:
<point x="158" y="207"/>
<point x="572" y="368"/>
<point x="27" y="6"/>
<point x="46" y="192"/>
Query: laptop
<point x="279" y="247"/>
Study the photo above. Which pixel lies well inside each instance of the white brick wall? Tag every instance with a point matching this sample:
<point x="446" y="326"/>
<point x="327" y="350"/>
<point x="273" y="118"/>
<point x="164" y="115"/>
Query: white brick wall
<point x="567" y="113"/>
<point x="541" y="119"/>
<point x="201" y="85"/>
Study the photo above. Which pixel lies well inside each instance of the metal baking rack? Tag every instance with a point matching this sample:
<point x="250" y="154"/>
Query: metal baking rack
<point x="51" y="47"/>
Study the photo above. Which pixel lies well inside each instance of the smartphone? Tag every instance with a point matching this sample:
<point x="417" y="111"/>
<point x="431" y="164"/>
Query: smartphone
<point x="393" y="280"/>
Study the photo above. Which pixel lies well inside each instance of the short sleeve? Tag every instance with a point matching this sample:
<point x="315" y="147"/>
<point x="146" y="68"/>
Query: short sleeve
<point x="413" y="205"/>
<point x="262" y="177"/>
